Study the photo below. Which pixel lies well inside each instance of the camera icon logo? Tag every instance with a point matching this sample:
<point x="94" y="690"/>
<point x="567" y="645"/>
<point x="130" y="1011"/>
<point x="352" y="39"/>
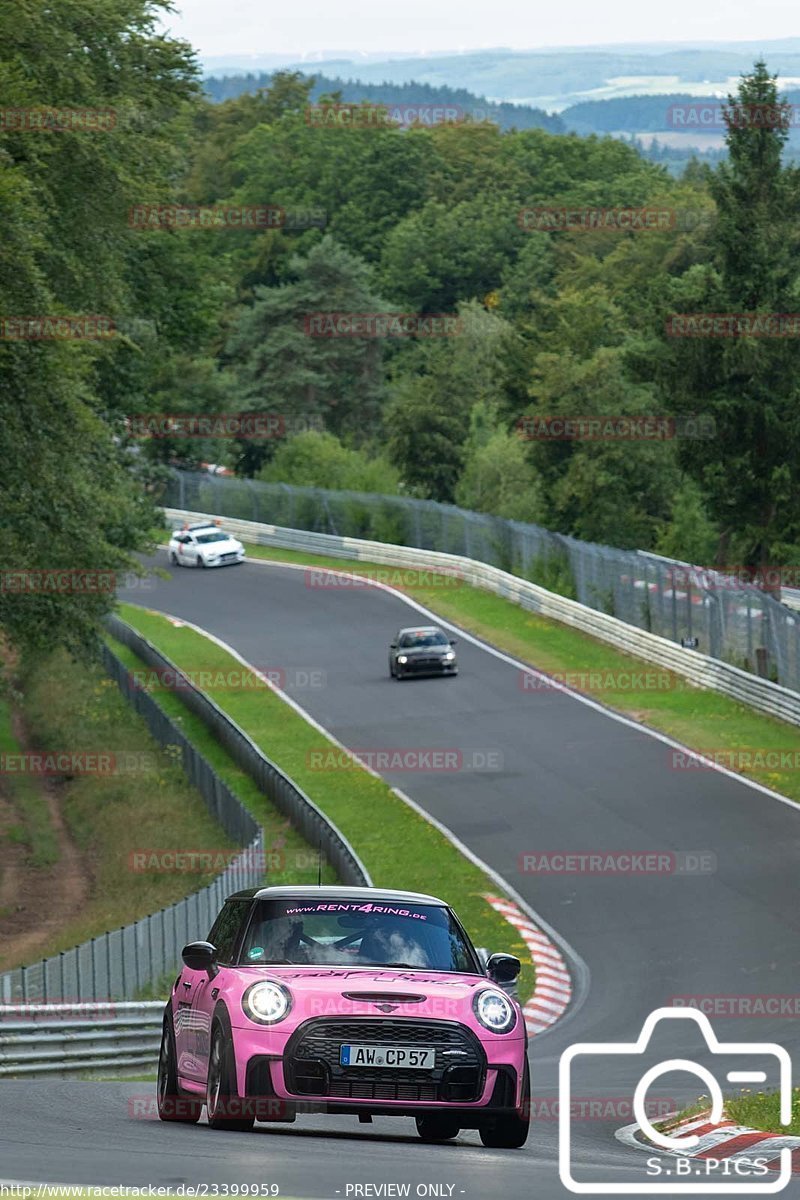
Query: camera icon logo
<point x="680" y="1144"/>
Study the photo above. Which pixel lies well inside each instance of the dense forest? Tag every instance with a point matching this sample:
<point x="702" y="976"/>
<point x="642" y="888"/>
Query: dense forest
<point x="397" y="95"/>
<point x="209" y="320"/>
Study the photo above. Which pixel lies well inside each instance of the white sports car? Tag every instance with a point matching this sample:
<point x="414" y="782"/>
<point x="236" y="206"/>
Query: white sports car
<point x="204" y="545"/>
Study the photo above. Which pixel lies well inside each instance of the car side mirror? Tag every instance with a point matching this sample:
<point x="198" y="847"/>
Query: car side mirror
<point x="393" y="645"/>
<point x="503" y="968"/>
<point x="201" y="956"/>
<point x="453" y="641"/>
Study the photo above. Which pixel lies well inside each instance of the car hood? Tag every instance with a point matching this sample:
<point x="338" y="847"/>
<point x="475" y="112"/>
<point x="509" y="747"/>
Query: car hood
<point x="425" y="651"/>
<point x="345" y="991"/>
<point x="221" y="547"/>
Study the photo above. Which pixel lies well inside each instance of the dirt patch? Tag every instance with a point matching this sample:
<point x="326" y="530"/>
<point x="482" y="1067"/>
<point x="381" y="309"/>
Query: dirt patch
<point x="35" y="902"/>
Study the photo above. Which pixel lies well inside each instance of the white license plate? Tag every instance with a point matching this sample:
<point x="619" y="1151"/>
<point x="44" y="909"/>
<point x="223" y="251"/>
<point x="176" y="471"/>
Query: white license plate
<point x="421" y="1057"/>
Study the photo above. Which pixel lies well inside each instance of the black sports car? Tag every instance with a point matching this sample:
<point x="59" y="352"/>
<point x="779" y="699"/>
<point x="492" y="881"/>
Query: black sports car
<point x="424" y="651"/>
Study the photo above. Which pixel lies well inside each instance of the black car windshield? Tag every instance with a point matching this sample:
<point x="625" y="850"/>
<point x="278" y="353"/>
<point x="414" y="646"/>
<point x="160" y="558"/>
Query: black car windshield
<point x="217" y="536"/>
<point x="425" y="637"/>
<point x="353" y="933"/>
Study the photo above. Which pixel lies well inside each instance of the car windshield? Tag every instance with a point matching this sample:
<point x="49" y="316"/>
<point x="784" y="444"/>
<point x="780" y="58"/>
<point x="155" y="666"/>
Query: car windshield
<point x="355" y="934"/>
<point x="216" y="536"/>
<point x="423" y="637"/>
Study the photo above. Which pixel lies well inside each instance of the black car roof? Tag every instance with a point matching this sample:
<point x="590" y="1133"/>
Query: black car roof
<point x="306" y="891"/>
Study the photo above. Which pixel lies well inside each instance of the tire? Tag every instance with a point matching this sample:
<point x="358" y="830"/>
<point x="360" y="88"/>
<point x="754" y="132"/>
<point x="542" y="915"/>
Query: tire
<point x="172" y="1106"/>
<point x="173" y="558"/>
<point x="223" y="1103"/>
<point x="437" y="1129"/>
<point x="511" y="1132"/>
<point x="201" y="562"/>
<point x="391" y="669"/>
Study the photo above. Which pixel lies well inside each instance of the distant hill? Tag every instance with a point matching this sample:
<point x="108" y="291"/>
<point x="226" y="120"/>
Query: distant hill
<point x="638" y="114"/>
<point x="554" y="79"/>
<point x="403" y="95"/>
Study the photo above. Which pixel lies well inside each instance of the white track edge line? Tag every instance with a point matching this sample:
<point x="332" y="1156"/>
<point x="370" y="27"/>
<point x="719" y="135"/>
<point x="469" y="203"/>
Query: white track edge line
<point x="581" y="969"/>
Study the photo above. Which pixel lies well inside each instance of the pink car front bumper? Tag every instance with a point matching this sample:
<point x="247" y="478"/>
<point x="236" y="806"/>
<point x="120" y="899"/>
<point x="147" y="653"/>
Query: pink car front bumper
<point x="298" y="1068"/>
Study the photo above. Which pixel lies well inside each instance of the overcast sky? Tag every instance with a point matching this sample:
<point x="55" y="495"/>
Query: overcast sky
<point x="218" y="27"/>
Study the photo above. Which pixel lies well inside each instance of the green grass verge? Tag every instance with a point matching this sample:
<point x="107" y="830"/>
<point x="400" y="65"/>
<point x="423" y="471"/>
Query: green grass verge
<point x="34" y="828"/>
<point x="701" y="719"/>
<point x="398" y="846"/>
<point x="289" y="857"/>
<point x="150" y="804"/>
<point x="754" y="1110"/>
<point x="761" y="1110"/>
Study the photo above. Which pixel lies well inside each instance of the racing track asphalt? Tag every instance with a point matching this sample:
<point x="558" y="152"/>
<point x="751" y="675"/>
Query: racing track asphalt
<point x="572" y="779"/>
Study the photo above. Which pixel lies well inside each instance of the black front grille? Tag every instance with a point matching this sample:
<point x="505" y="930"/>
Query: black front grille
<point x="312" y="1068"/>
<point x="403" y="1088"/>
<point x="425" y="664"/>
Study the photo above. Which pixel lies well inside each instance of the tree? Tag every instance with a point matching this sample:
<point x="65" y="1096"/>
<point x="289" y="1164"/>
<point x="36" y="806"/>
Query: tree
<point x="497" y="476"/>
<point x="69" y="493"/>
<point x="315" y="459"/>
<point x="749" y="472"/>
<point x="283" y="368"/>
<point x="434" y="387"/>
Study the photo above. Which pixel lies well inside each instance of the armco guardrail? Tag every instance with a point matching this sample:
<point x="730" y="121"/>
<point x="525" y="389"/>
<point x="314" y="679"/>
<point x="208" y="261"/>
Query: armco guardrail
<point x="53" y="1039"/>
<point x="698" y="668"/>
<point x="288" y="798"/>
<point x="732" y="620"/>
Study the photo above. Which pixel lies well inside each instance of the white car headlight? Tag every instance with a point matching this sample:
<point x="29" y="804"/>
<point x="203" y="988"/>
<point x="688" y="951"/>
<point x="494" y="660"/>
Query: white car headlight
<point x="403" y="658"/>
<point x="267" y="1002"/>
<point x="495" y="1011"/>
<point x="449" y="656"/>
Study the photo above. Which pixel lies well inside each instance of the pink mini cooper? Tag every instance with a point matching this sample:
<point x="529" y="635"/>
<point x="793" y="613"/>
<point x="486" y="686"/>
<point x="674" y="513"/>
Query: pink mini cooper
<point x="345" y="1000"/>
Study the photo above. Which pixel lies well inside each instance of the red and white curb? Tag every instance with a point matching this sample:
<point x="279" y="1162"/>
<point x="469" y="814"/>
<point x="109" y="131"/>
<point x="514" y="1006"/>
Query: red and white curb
<point x="553" y="991"/>
<point x="727" y="1140"/>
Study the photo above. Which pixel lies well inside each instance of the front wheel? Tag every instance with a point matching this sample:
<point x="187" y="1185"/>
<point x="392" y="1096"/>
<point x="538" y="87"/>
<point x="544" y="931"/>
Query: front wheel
<point x="173" y="558"/>
<point x="511" y="1132"/>
<point x="171" y="1105"/>
<point x="224" y="1105"/>
<point x="437" y="1129"/>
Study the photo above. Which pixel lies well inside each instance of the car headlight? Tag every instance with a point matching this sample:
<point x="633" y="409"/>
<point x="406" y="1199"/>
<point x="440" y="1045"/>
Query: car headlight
<point x="495" y="1011"/>
<point x="449" y="656"/>
<point x="267" y="1002"/>
<point x="403" y="658"/>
